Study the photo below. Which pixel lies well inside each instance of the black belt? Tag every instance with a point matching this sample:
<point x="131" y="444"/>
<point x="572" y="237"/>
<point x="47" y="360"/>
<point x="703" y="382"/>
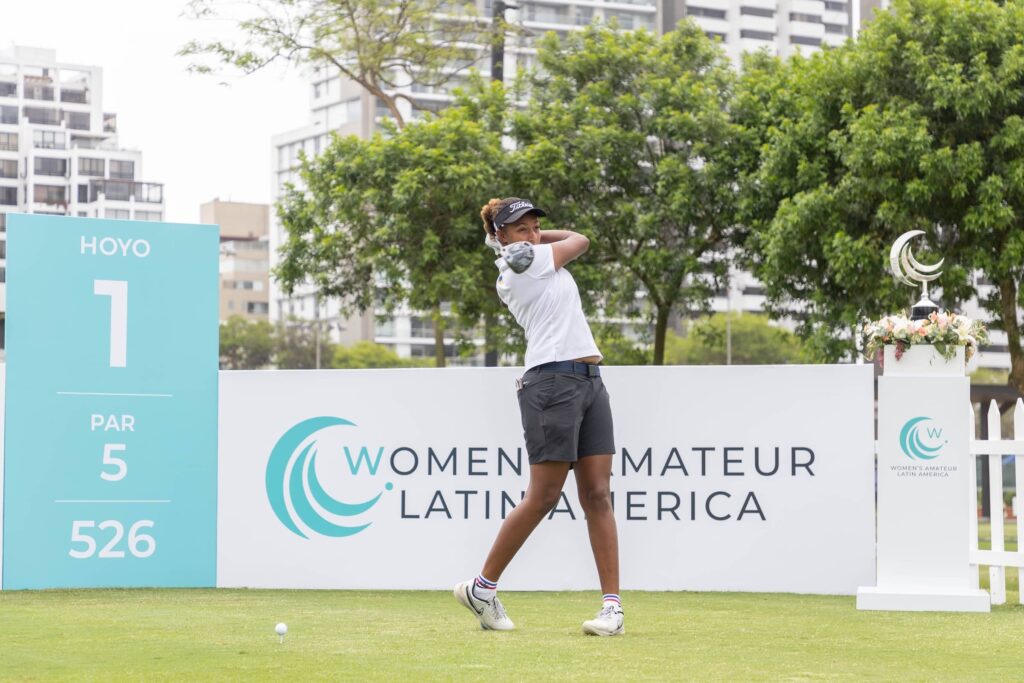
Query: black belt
<point x="569" y="366"/>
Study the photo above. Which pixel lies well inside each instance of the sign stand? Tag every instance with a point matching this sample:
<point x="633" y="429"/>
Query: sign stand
<point x="924" y="496"/>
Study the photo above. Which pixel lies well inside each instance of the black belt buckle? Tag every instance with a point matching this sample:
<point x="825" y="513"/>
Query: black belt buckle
<point x="592" y="370"/>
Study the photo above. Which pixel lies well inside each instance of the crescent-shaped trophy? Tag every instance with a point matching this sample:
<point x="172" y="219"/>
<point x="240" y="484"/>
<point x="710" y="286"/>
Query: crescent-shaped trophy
<point x="908" y="270"/>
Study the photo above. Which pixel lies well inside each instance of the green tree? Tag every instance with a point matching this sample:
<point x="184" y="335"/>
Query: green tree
<point x="295" y="346"/>
<point x="366" y="354"/>
<point x="378" y="44"/>
<point x="627" y="140"/>
<point x="396" y="220"/>
<point x="244" y="344"/>
<point x="754" y="341"/>
<point x="919" y="124"/>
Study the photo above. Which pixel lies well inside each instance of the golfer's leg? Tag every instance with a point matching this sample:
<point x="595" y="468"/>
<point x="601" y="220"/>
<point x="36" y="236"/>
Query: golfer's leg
<point x="593" y="486"/>
<point x="546" y="481"/>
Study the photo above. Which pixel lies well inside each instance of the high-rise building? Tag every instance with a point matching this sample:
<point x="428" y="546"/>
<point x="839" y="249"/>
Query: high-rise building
<point x="58" y="149"/>
<point x="244" y="257"/>
<point x="783" y="27"/>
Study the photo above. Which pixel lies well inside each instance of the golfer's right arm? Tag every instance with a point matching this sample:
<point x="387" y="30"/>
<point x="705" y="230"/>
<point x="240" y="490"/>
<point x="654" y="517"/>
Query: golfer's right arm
<point x="566" y="245"/>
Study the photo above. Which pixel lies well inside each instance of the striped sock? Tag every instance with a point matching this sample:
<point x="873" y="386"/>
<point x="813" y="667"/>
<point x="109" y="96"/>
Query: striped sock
<point x="484" y="588"/>
<point x="611" y="599"/>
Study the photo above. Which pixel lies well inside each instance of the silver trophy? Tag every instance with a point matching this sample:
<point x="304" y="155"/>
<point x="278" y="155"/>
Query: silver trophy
<point x="907" y="269"/>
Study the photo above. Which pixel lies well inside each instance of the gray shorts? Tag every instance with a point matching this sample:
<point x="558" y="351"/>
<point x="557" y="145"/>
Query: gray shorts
<point x="565" y="416"/>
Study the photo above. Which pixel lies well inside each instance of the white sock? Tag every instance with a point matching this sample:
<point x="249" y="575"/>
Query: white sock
<point x="612" y="599"/>
<point x="484" y="588"/>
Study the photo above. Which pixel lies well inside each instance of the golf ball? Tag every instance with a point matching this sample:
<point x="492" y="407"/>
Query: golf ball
<point x="281" y="629"/>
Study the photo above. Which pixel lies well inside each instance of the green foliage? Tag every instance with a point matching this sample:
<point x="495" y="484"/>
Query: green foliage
<point x="366" y="354"/>
<point x="376" y="44"/>
<point x="627" y="138"/>
<point x="919" y="124"/>
<point x="296" y="346"/>
<point x="754" y="342"/>
<point x="246" y="345"/>
<point x="395" y="219"/>
<point x="618" y="349"/>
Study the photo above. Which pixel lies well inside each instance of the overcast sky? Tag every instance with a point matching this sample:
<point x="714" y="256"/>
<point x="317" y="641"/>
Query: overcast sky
<point x="201" y="138"/>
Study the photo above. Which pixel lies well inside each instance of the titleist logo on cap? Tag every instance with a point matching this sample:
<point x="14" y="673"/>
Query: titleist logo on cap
<point x="515" y="206"/>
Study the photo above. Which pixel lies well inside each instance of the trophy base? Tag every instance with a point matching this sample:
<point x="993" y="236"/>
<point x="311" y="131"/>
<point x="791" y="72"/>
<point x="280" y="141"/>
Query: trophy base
<point x="922" y="309"/>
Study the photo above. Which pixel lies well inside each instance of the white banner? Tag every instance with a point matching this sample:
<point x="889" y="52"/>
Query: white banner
<point x="756" y="478"/>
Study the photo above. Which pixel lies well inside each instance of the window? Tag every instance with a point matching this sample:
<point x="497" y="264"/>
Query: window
<point x="705" y="12"/>
<point x="8" y="196"/>
<point x="257" y="307"/>
<point x="555" y="14"/>
<point x="119" y="214"/>
<point x="8" y="168"/>
<point x="836" y="6"/>
<point x="3" y="222"/>
<point x="8" y="89"/>
<point x="49" y="194"/>
<point x="421" y="327"/>
<point x="342" y="113"/>
<point x="806" y="18"/>
<point x="152" y="193"/>
<point x="757" y="35"/>
<point x="109" y="123"/>
<point x="8" y="114"/>
<point x="3" y="248"/>
<point x="38" y="88"/>
<point x="77" y="120"/>
<point x="9" y="142"/>
<point x="48" y="139"/>
<point x="87" y="166"/>
<point x="715" y="35"/>
<point x="57" y="167"/>
<point x="122" y="170"/>
<point x="757" y="12"/>
<point x="74" y="96"/>
<point x="83" y="194"/>
<point x="42" y="116"/>
<point x="835" y="28"/>
<point x="804" y="40"/>
<point x="384" y="328"/>
<point x="148" y="216"/>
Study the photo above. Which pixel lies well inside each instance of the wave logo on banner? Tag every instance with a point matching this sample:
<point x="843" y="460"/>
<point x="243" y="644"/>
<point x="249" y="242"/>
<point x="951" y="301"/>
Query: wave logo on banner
<point x="914" y="446"/>
<point x="291" y="471"/>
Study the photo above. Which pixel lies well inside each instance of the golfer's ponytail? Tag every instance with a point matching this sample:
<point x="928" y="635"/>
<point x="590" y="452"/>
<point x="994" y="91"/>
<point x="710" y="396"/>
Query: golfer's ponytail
<point x="488" y="212"/>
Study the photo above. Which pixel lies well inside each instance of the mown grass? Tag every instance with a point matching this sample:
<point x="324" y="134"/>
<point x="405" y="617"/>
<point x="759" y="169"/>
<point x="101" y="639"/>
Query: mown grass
<point x="405" y="635"/>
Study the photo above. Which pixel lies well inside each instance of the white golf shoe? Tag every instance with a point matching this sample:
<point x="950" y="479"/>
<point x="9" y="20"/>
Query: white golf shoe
<point x="610" y="621"/>
<point x="491" y="613"/>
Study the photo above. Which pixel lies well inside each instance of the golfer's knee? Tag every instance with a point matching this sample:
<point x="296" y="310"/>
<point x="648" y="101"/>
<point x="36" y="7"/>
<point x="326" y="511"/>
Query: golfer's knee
<point x="596" y="500"/>
<point x="543" y="498"/>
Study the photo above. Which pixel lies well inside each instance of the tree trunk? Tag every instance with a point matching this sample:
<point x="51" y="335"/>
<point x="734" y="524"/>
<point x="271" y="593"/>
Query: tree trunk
<point x="1008" y="301"/>
<point x="660" y="328"/>
<point x="490" y="342"/>
<point x="438" y="337"/>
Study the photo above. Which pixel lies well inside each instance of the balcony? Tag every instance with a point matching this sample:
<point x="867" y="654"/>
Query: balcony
<point x="74" y="96"/>
<point x="125" y="191"/>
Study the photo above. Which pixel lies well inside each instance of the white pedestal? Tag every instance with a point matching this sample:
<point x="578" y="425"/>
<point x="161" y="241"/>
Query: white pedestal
<point x="924" y="497"/>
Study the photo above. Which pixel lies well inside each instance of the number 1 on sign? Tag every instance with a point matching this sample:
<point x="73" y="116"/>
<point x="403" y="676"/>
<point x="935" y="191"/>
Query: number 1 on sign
<point x="117" y="290"/>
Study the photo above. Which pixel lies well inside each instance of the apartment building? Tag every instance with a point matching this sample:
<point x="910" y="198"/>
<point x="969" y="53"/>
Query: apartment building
<point x="244" y="256"/>
<point x="59" y="152"/>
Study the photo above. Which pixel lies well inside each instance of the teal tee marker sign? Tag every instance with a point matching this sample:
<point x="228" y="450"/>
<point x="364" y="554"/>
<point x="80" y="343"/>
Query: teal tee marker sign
<point x="110" y="462"/>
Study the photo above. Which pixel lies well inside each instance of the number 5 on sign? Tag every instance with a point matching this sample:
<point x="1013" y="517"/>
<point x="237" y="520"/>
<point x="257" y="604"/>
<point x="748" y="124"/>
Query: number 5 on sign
<point x="117" y="290"/>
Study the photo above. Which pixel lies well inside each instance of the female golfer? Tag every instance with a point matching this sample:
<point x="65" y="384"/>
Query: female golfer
<point x="565" y="409"/>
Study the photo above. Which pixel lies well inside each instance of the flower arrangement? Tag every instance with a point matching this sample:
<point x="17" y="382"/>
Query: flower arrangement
<point x="943" y="330"/>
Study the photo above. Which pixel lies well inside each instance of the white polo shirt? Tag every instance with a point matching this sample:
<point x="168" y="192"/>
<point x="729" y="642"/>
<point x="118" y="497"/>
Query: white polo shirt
<point x="546" y="303"/>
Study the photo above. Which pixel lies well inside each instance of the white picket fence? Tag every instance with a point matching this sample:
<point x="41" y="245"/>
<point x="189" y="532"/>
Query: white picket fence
<point x="998" y="558"/>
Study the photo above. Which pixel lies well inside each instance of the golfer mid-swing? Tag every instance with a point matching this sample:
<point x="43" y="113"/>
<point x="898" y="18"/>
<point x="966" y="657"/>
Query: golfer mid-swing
<point x="564" y="406"/>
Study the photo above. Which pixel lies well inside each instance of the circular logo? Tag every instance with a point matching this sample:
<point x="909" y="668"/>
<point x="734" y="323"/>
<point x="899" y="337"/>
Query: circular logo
<point x="914" y="445"/>
<point x="294" y="490"/>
